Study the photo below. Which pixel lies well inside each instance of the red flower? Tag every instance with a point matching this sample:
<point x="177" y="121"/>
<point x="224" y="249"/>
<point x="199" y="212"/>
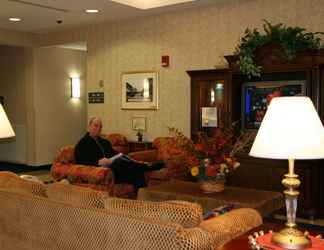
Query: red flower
<point x="219" y="159"/>
<point x="199" y="147"/>
<point x="212" y="170"/>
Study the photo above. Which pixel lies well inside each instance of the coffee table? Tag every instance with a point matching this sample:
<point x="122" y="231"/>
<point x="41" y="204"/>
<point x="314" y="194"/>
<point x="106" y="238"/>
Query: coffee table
<point x="266" y="202"/>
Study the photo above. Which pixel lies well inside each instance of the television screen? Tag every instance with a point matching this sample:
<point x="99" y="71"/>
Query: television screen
<point x="256" y="97"/>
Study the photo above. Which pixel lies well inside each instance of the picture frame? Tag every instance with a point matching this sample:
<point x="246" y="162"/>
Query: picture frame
<point x="139" y="90"/>
<point x="139" y="123"/>
<point x="209" y="116"/>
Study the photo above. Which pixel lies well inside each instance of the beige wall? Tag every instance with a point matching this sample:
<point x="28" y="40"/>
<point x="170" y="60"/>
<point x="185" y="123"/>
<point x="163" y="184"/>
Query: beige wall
<point x="13" y="73"/>
<point x="18" y="38"/>
<point x="36" y="85"/>
<point x="12" y="82"/>
<point x="59" y="119"/>
<point x="195" y="39"/>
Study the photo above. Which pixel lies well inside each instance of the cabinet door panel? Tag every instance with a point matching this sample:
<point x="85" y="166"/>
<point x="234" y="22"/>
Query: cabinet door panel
<point x="209" y="88"/>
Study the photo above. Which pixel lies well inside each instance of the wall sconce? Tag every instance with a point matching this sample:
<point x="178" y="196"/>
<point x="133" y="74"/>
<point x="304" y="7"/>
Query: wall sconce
<point x="75" y="87"/>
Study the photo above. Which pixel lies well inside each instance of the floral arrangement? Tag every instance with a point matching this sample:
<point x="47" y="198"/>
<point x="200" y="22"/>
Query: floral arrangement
<point x="212" y="158"/>
<point x="217" y="154"/>
<point x="214" y="171"/>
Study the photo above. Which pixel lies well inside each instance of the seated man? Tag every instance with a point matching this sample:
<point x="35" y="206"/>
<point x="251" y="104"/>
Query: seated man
<point x="94" y="150"/>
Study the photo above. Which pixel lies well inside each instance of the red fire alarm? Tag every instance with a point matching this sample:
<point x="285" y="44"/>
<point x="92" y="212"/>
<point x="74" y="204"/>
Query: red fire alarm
<point x="165" y="61"/>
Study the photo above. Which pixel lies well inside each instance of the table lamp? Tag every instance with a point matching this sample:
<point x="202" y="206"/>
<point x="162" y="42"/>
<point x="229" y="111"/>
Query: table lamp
<point x="290" y="129"/>
<point x="6" y="130"/>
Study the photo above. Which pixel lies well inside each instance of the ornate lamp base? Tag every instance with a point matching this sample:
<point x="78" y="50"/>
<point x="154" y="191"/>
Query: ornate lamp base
<point x="291" y="238"/>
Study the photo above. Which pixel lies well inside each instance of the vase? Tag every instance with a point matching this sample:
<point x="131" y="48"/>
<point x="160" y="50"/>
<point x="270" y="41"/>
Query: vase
<point x="212" y="186"/>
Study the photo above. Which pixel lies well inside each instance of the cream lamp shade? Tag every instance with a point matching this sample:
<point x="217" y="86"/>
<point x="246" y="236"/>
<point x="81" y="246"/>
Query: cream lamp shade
<point x="291" y="129"/>
<point x="6" y="130"/>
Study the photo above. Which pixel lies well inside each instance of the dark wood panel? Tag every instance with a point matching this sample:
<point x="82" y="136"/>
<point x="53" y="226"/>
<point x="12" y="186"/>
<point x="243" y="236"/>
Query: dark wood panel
<point x="139" y="146"/>
<point x="267" y="174"/>
<point x="201" y="82"/>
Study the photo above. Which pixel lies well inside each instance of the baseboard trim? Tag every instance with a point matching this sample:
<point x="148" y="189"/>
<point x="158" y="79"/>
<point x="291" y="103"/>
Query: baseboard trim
<point x="17" y="168"/>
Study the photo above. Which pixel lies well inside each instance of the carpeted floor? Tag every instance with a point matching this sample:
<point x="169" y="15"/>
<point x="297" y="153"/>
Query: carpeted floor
<point x="43" y="175"/>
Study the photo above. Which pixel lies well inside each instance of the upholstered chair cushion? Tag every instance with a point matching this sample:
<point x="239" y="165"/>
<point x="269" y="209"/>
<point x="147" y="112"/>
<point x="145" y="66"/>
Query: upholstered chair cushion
<point x="88" y="174"/>
<point x="11" y="182"/>
<point x="75" y="195"/>
<point x="184" y="213"/>
<point x="178" y="159"/>
<point x="169" y="149"/>
<point x="65" y="155"/>
<point x="118" y="141"/>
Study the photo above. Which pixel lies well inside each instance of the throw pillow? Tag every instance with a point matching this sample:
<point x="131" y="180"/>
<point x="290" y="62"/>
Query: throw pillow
<point x="218" y="211"/>
<point x="65" y="155"/>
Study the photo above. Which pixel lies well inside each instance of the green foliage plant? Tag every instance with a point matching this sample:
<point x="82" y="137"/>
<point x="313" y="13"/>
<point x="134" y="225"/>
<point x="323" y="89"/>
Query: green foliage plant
<point x="291" y="39"/>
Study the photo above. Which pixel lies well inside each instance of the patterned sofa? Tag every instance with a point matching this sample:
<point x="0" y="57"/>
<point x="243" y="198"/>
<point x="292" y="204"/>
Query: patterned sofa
<point x="165" y="148"/>
<point x="62" y="216"/>
<point x="98" y="178"/>
<point x="177" y="160"/>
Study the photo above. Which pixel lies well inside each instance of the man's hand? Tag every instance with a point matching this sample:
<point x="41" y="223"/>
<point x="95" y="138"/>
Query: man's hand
<point x="104" y="162"/>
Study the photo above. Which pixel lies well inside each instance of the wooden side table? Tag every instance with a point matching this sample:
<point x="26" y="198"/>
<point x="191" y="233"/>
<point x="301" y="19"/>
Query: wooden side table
<point x="139" y="146"/>
<point x="242" y="242"/>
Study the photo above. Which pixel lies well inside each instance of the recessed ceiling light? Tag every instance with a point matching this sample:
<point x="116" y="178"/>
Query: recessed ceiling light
<point x="140" y="4"/>
<point x="92" y="11"/>
<point x="14" y="19"/>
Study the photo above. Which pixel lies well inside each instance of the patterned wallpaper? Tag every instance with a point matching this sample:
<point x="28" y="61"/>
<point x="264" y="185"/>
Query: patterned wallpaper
<point x="18" y="38"/>
<point x="194" y="39"/>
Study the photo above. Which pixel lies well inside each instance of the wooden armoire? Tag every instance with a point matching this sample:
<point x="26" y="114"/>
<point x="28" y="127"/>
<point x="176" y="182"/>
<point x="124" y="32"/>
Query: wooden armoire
<point x="258" y="173"/>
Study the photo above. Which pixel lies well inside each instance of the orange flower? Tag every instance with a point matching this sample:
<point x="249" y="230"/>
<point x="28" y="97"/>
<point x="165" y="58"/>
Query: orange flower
<point x="195" y="171"/>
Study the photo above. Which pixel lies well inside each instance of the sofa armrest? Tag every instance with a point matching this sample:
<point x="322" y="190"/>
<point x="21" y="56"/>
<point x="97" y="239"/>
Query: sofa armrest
<point x="144" y="155"/>
<point x="78" y="174"/>
<point x="230" y="225"/>
<point x="60" y="171"/>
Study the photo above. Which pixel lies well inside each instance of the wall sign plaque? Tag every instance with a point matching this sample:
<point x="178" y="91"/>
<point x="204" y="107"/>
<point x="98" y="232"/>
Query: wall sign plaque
<point x="96" y="97"/>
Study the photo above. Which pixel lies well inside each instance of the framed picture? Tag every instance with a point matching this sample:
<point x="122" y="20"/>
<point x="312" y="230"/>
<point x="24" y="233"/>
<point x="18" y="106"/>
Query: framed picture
<point x="209" y="117"/>
<point x="140" y="90"/>
<point x="139" y="123"/>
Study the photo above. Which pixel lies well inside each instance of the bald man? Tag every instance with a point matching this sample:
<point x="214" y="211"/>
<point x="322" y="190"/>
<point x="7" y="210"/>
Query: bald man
<point x="95" y="150"/>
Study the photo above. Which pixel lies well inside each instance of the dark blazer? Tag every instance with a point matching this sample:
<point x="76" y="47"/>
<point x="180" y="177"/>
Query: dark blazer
<point x="89" y="151"/>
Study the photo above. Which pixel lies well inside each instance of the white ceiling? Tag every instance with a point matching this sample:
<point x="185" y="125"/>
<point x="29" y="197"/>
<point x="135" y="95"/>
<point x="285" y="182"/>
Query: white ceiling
<point x="40" y="16"/>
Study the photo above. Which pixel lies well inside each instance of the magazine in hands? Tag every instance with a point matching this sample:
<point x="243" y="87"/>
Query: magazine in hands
<point x="116" y="157"/>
